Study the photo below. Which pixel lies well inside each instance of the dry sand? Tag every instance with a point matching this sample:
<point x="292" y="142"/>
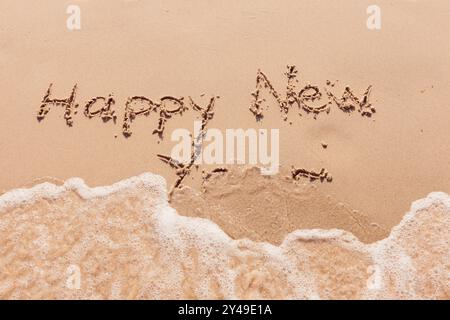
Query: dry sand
<point x="379" y="164"/>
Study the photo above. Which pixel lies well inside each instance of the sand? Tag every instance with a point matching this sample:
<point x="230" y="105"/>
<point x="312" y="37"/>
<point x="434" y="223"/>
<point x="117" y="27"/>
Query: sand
<point x="383" y="145"/>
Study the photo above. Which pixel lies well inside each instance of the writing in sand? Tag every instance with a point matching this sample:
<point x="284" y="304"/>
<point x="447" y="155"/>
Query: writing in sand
<point x="169" y="106"/>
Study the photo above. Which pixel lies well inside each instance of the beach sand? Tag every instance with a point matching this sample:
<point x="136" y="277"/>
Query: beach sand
<point x="257" y="229"/>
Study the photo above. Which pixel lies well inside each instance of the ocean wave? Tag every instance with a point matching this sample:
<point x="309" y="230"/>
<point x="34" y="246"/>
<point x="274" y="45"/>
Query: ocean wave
<point x="125" y="241"/>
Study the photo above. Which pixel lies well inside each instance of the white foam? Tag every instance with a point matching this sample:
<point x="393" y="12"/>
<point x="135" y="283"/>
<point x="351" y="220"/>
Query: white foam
<point x="49" y="190"/>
